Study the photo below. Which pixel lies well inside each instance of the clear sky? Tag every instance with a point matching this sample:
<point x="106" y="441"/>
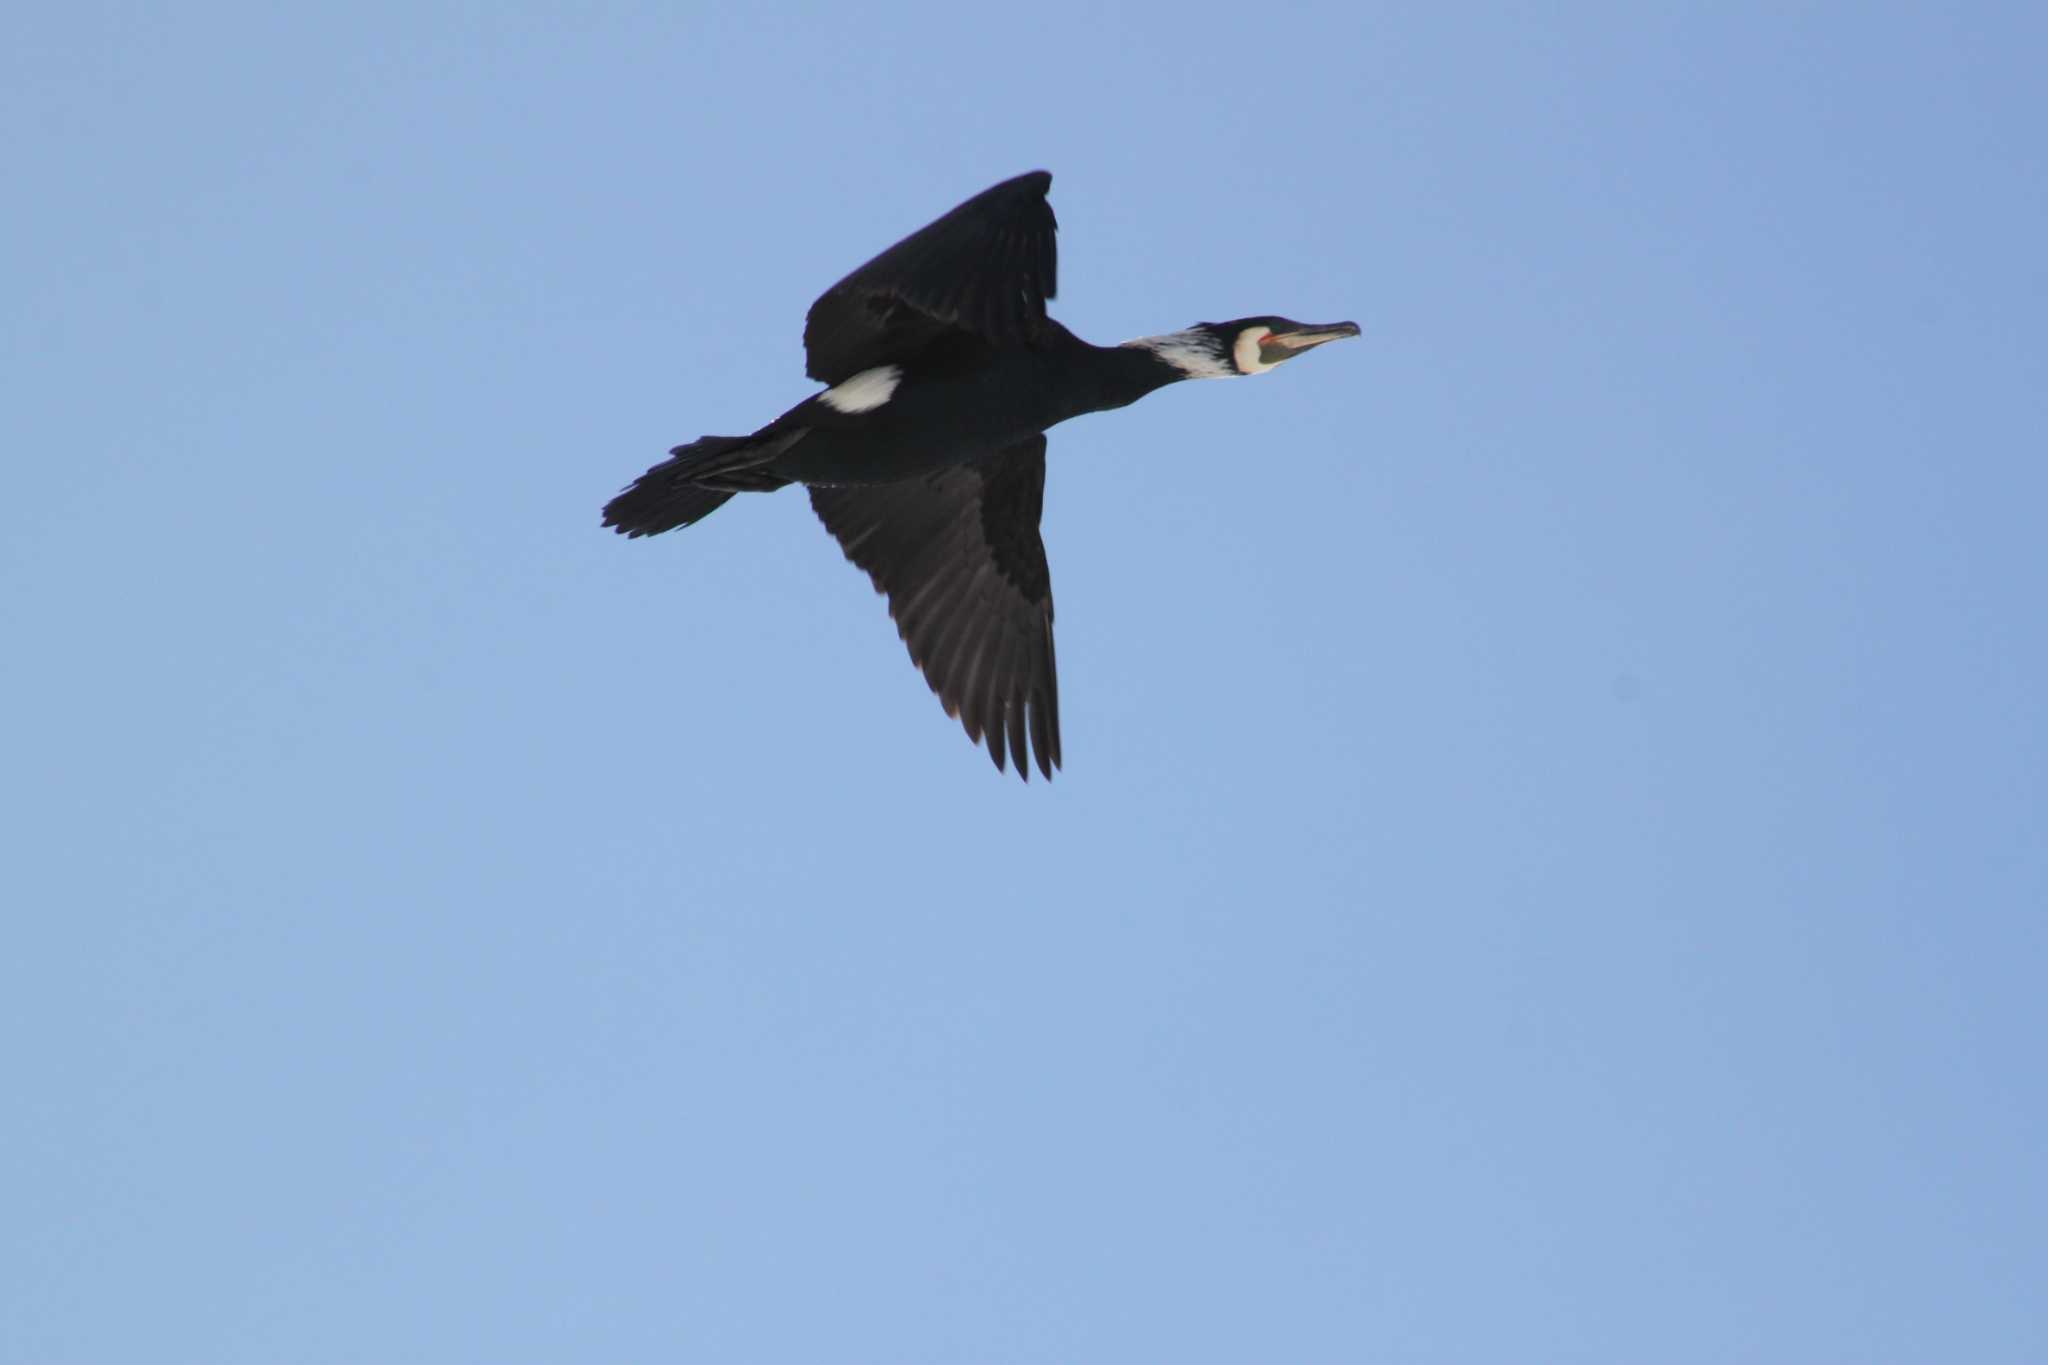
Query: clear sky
<point x="1551" y="859"/>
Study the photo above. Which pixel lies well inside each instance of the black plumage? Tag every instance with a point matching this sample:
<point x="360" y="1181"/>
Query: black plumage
<point x="925" y="456"/>
<point x="959" y="556"/>
<point x="985" y="269"/>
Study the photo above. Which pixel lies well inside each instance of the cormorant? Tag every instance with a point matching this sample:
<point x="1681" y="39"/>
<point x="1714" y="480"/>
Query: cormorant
<point x="925" y="453"/>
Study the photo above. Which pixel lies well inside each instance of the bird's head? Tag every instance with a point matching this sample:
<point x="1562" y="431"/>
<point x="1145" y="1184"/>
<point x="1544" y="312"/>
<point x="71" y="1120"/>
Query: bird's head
<point x="1226" y="350"/>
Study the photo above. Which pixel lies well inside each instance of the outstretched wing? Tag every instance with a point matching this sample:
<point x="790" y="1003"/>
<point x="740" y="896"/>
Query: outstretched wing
<point x="959" y="556"/>
<point x="985" y="269"/>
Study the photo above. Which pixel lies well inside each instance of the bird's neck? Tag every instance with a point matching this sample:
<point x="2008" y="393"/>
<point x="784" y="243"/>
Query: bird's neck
<point x="1190" y="354"/>
<point x="1124" y="374"/>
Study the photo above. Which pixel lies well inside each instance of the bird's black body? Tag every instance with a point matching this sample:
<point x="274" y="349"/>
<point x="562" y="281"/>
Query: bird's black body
<point x="925" y="456"/>
<point x="961" y="402"/>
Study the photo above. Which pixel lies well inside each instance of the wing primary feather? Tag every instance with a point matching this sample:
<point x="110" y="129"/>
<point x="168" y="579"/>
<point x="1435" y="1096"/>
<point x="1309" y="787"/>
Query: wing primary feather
<point x="995" y="688"/>
<point x="1016" y="693"/>
<point x="1049" y="671"/>
<point x="1019" y="753"/>
<point x="964" y="684"/>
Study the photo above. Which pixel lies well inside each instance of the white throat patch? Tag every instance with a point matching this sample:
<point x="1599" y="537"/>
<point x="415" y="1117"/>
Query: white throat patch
<point x="1192" y="353"/>
<point x="864" y="392"/>
<point x="1248" y="350"/>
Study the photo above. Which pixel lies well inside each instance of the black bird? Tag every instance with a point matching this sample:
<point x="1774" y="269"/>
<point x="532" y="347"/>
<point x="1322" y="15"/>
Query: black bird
<point x="925" y="455"/>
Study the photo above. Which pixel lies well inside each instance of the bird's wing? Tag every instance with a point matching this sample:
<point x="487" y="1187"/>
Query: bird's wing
<point x="985" y="269"/>
<point x="959" y="556"/>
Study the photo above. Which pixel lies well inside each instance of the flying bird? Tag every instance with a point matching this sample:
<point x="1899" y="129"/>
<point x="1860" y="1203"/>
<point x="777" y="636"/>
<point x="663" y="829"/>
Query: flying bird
<point x="925" y="453"/>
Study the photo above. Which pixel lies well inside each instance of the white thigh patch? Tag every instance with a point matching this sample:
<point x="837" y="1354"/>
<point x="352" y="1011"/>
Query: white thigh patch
<point x="864" y="392"/>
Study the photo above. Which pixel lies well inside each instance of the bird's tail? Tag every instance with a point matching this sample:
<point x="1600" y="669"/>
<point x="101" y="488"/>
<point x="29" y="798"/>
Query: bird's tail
<point x="695" y="481"/>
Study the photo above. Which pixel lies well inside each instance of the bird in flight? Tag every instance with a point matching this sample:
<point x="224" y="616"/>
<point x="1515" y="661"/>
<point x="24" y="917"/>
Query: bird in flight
<point x="925" y="452"/>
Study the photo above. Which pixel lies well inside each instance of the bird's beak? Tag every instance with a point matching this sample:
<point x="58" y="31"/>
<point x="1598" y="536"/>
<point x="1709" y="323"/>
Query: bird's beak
<point x="1297" y="337"/>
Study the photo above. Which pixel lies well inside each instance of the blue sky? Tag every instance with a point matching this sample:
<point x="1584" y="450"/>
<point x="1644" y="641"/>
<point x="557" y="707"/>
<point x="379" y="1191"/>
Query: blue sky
<point x="1550" y="860"/>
